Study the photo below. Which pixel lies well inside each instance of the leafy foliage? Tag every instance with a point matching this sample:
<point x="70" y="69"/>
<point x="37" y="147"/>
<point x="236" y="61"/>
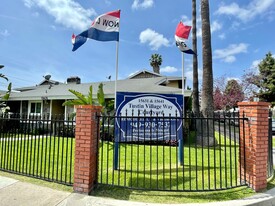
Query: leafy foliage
<point x="89" y="99"/>
<point x="227" y="96"/>
<point x="233" y="94"/>
<point x="247" y="83"/>
<point x="6" y="96"/>
<point x="81" y="98"/>
<point x="219" y="99"/>
<point x="265" y="81"/>
<point x="155" y="62"/>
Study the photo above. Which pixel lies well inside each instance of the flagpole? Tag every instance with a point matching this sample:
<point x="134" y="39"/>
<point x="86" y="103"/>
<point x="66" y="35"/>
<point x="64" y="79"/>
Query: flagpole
<point x="180" y="152"/>
<point x="116" y="149"/>
<point x="182" y="57"/>
<point x="117" y="46"/>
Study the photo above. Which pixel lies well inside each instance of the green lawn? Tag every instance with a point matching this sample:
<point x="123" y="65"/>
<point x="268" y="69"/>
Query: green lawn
<point x="151" y="167"/>
<point x="156" y="167"/>
<point x="50" y="158"/>
<point x="140" y="166"/>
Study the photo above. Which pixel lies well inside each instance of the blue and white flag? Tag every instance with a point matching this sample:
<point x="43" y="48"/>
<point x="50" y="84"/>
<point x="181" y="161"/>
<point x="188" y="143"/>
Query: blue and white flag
<point x="104" y="28"/>
<point x="78" y="41"/>
<point x="181" y="35"/>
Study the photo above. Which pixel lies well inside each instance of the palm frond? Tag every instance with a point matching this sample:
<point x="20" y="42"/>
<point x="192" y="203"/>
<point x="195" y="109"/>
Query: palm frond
<point x="90" y="96"/>
<point x="7" y="95"/>
<point x="80" y="97"/>
<point x="4" y="77"/>
<point x="100" y="95"/>
<point x="73" y="102"/>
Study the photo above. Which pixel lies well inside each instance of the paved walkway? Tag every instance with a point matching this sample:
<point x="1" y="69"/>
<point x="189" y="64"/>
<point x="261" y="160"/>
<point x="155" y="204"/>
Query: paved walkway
<point x="15" y="193"/>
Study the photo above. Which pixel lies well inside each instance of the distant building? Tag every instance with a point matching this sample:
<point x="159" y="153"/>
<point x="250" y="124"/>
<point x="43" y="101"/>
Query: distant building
<point x="47" y="97"/>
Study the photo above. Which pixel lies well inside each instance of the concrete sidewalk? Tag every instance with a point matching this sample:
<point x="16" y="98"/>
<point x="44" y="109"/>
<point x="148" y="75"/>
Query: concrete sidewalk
<point x="14" y="193"/>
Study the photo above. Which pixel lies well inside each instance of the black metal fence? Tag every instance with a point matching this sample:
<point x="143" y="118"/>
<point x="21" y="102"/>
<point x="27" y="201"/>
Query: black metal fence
<point x="270" y="169"/>
<point x="145" y="152"/>
<point x="38" y="146"/>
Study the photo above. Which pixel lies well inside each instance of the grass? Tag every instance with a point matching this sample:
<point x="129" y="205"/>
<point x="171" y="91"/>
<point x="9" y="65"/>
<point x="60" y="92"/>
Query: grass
<point x="172" y="197"/>
<point x="157" y="167"/>
<point x="178" y="197"/>
<point x="48" y="158"/>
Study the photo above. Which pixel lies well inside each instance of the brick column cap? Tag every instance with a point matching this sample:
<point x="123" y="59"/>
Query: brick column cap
<point x="242" y="104"/>
<point x="88" y="106"/>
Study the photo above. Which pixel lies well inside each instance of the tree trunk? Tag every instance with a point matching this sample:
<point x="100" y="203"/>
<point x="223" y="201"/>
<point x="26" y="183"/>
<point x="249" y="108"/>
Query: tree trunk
<point x="156" y="69"/>
<point x="207" y="104"/>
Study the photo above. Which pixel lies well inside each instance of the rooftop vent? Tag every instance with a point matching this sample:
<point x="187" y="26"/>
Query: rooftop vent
<point x="73" y="80"/>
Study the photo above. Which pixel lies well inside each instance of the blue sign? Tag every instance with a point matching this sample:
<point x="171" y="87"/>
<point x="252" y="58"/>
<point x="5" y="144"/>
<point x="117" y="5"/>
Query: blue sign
<point x="148" y="117"/>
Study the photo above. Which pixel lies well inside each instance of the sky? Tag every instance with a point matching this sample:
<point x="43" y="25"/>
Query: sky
<point x="35" y="38"/>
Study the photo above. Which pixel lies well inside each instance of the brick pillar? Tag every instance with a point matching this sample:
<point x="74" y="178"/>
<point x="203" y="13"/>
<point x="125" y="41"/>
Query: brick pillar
<point x="254" y="144"/>
<point x="86" y="148"/>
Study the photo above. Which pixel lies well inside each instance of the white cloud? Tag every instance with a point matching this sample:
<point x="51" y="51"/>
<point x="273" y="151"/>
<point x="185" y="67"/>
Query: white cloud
<point x="199" y="32"/>
<point x="229" y="59"/>
<point x="154" y="39"/>
<point x="215" y="26"/>
<point x="145" y="4"/>
<point x="168" y="69"/>
<point x="4" y="33"/>
<point x="186" y="21"/>
<point x="249" y="12"/>
<point x="255" y="63"/>
<point x="66" y="12"/>
<point x="228" y="54"/>
<point x="189" y="74"/>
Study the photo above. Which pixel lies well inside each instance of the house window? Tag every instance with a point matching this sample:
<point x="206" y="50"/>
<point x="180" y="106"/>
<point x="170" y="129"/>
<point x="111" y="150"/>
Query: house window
<point x="36" y="107"/>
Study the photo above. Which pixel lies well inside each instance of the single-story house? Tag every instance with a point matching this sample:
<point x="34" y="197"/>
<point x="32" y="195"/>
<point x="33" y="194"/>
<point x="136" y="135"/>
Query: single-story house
<point x="47" y="97"/>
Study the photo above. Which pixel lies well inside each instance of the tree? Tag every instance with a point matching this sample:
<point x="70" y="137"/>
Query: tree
<point x="207" y="83"/>
<point x="233" y="94"/>
<point x="195" y="98"/>
<point x="207" y="103"/>
<point x="219" y="101"/>
<point x="265" y="81"/>
<point x="247" y="83"/>
<point x="227" y="93"/>
<point x="155" y="62"/>
<point x="6" y="96"/>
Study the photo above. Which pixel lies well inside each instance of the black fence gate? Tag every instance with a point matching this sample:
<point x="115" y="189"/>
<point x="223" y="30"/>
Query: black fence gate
<point x="154" y="164"/>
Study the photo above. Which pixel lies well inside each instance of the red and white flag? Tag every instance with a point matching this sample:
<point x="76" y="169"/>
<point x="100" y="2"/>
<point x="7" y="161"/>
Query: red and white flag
<point x="104" y="28"/>
<point x="181" y="35"/>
